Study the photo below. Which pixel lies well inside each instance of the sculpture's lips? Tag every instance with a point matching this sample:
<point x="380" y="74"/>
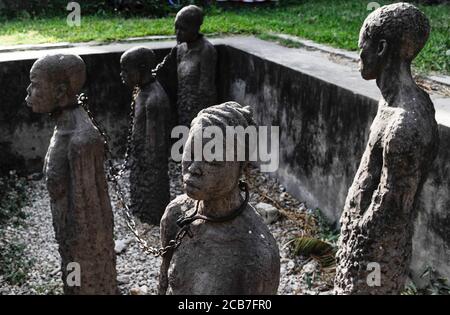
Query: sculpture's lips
<point x="190" y="183"/>
<point x="27" y="100"/>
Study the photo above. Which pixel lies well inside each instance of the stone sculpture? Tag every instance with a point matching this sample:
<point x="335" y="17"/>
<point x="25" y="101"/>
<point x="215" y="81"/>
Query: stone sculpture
<point x="149" y="179"/>
<point x="196" y="65"/>
<point x="76" y="182"/>
<point x="377" y="222"/>
<point x="234" y="254"/>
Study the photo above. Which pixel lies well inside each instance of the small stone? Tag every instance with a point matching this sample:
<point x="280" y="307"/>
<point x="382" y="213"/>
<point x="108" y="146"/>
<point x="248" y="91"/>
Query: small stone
<point x="310" y="267"/>
<point x="123" y="279"/>
<point x="121" y="245"/>
<point x="290" y="265"/>
<point x="35" y="176"/>
<point x="302" y="208"/>
<point x="269" y="213"/>
<point x="143" y="290"/>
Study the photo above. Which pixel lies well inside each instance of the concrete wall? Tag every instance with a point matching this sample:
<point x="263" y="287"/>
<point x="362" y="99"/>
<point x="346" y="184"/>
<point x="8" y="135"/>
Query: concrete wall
<point x="323" y="128"/>
<point x="324" y="112"/>
<point x="24" y="135"/>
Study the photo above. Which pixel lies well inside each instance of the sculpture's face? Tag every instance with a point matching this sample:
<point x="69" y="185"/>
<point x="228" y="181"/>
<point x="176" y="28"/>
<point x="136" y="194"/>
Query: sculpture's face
<point x="41" y="92"/>
<point x="372" y="54"/>
<point x="129" y="74"/>
<point x="203" y="180"/>
<point x="185" y="32"/>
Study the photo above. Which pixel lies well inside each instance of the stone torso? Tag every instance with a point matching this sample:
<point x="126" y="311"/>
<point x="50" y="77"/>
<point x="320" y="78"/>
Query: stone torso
<point x="80" y="204"/>
<point x="376" y="225"/>
<point x="150" y="146"/>
<point x="196" y="71"/>
<point x="236" y="257"/>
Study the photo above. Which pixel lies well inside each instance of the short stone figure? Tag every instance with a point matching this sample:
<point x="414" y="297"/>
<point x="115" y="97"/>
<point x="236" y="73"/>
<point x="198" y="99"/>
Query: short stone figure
<point x="196" y="65"/>
<point x="230" y="250"/>
<point x="149" y="179"/>
<point x="76" y="182"/>
<point x="377" y="223"/>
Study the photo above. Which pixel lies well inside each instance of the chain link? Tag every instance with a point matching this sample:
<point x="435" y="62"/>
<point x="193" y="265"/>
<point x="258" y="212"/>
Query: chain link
<point x="163" y="62"/>
<point x="114" y="174"/>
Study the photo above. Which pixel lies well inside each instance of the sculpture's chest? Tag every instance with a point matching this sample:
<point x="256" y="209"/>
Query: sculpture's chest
<point x="382" y="125"/>
<point x="189" y="64"/>
<point x="208" y="243"/>
<point x="56" y="166"/>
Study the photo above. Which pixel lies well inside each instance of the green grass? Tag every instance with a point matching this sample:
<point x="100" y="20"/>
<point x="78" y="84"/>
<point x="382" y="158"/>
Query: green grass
<point x="334" y="22"/>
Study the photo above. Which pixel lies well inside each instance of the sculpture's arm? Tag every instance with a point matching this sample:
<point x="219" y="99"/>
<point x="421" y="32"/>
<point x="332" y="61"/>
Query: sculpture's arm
<point x="157" y="109"/>
<point x="88" y="181"/>
<point x="168" y="231"/>
<point x="169" y="66"/>
<point x="399" y="181"/>
<point x="167" y="74"/>
<point x="366" y="179"/>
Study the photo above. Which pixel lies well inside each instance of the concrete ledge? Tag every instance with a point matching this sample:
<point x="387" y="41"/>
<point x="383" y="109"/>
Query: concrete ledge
<point x="349" y="55"/>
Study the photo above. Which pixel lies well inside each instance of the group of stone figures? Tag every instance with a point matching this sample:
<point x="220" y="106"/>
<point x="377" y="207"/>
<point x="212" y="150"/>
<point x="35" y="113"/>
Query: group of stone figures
<point x="229" y="249"/>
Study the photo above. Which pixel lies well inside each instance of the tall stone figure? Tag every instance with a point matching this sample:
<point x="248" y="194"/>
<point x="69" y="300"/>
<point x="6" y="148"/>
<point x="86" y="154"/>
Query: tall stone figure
<point x="76" y="182"/>
<point x="377" y="222"/>
<point x="196" y="65"/>
<point x="230" y="249"/>
<point x="149" y="179"/>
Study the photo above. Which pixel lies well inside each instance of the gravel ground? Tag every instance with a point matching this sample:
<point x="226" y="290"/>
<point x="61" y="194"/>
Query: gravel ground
<point x="138" y="272"/>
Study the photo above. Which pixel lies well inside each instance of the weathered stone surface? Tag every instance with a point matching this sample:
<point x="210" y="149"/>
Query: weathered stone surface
<point x="196" y="65"/>
<point x="238" y="256"/>
<point x="149" y="179"/>
<point x="381" y="205"/>
<point x="121" y="245"/>
<point x="269" y="213"/>
<point x="80" y="204"/>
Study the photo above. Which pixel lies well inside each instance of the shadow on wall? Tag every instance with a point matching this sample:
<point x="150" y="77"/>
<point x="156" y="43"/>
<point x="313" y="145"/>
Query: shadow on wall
<point x="24" y="135"/>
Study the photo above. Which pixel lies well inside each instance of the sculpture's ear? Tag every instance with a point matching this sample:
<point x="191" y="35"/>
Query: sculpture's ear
<point x="61" y="91"/>
<point x="382" y="48"/>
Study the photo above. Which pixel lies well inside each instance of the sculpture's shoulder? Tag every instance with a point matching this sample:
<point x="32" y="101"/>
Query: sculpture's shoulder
<point x="156" y="96"/>
<point x="255" y="223"/>
<point x="179" y="205"/>
<point x="174" y="210"/>
<point x="86" y="137"/>
<point x="207" y="48"/>
<point x="404" y="136"/>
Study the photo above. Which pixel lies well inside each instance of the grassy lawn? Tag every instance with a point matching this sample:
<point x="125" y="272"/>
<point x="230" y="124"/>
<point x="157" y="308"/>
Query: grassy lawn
<point x="334" y="22"/>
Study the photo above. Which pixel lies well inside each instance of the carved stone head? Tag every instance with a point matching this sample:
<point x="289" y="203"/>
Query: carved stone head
<point x="187" y="23"/>
<point x="395" y="32"/>
<point x="55" y="82"/>
<point x="136" y="65"/>
<point x="203" y="179"/>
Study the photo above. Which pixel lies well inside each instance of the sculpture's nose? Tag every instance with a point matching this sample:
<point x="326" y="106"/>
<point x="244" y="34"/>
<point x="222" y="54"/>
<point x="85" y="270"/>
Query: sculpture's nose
<point x="195" y="169"/>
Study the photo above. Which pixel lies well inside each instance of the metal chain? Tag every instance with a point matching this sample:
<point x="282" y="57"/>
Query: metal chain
<point x="114" y="174"/>
<point x="163" y="62"/>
